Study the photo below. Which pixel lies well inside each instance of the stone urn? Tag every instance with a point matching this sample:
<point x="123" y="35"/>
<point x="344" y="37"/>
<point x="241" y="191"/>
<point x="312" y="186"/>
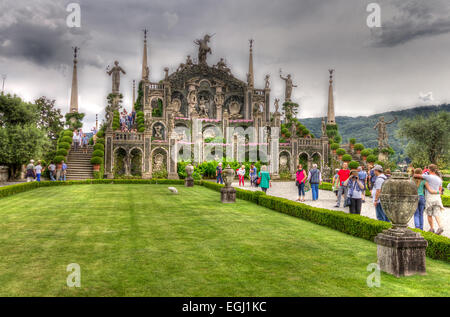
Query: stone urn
<point x="189" y="180"/>
<point x="228" y="193"/>
<point x="401" y="252"/>
<point x="399" y="200"/>
<point x="4" y="174"/>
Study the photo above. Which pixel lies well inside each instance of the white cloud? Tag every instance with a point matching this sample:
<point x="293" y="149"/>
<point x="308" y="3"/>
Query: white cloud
<point x="426" y="97"/>
<point x="172" y="19"/>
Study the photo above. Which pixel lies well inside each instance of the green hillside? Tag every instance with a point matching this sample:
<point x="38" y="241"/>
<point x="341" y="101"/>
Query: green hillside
<point x="361" y="127"/>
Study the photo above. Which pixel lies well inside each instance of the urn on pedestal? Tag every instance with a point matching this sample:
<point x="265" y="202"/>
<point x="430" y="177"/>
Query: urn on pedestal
<point x="228" y="193"/>
<point x="189" y="181"/>
<point x="401" y="252"/>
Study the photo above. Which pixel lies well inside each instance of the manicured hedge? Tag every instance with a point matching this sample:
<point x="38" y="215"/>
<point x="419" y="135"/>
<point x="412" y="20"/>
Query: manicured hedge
<point x="355" y="225"/>
<point x="99" y="146"/>
<point x="98" y="153"/>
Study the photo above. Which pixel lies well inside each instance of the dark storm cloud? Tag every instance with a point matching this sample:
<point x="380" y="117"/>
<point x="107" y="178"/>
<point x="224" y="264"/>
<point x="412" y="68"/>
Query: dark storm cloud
<point x="38" y="33"/>
<point x="413" y="20"/>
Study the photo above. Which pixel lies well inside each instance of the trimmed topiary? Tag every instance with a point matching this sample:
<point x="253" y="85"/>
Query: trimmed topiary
<point x="66" y="139"/>
<point x="100" y="141"/>
<point x="352" y="141"/>
<point x="62" y="152"/>
<point x="334" y="146"/>
<point x="96" y="160"/>
<point x="98" y="153"/>
<point x="372" y="158"/>
<point x="99" y="146"/>
<point x="366" y="152"/>
<point x="346" y="158"/>
<point x="64" y="145"/>
<point x="359" y="147"/>
<point x="353" y="165"/>
<point x="68" y="133"/>
<point x="59" y="158"/>
<point x="340" y="151"/>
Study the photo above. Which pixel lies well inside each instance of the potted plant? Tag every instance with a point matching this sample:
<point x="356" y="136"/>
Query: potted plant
<point x="372" y="159"/>
<point x="96" y="161"/>
<point x="340" y="152"/>
<point x="352" y="143"/>
<point x="353" y="165"/>
<point x="346" y="158"/>
<point x="358" y="148"/>
<point x="334" y="147"/>
<point x="365" y="153"/>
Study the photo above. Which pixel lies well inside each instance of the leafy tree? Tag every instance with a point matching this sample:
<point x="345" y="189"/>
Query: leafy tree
<point x="428" y="138"/>
<point x="50" y="118"/>
<point x="21" y="137"/>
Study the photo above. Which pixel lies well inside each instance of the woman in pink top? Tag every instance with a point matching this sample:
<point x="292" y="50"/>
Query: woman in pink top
<point x="300" y="182"/>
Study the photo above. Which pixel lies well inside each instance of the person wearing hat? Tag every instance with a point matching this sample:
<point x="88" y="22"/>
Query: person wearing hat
<point x="30" y="175"/>
<point x="355" y="189"/>
<point x="381" y="178"/>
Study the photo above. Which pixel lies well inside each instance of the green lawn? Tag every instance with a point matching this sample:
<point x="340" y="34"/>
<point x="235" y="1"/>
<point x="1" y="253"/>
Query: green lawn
<point x="140" y="240"/>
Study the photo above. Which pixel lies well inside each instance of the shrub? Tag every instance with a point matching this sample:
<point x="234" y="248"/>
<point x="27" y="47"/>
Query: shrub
<point x="64" y="145"/>
<point x="334" y="146"/>
<point x="98" y="153"/>
<point x="99" y="146"/>
<point x="340" y="151"/>
<point x="359" y="147"/>
<point x="96" y="160"/>
<point x="61" y="152"/>
<point x="141" y="129"/>
<point x="372" y="158"/>
<point x="68" y="133"/>
<point x="100" y="134"/>
<point x="101" y="141"/>
<point x="59" y="158"/>
<point x="347" y="158"/>
<point x="352" y="141"/>
<point x="353" y="165"/>
<point x="366" y="152"/>
<point x="66" y="139"/>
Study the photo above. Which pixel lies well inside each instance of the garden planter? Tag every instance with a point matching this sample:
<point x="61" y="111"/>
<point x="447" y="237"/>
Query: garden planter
<point x="189" y="181"/>
<point x="334" y="151"/>
<point x="401" y="252"/>
<point x="364" y="158"/>
<point x="96" y="167"/>
<point x="340" y="157"/>
<point x="358" y="151"/>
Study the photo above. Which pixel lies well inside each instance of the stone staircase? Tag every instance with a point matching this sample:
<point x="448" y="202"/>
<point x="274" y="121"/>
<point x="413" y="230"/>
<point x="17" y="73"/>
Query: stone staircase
<point x="79" y="164"/>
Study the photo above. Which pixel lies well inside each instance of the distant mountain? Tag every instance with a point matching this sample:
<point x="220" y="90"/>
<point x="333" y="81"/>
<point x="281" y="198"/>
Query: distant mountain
<point x="361" y="128"/>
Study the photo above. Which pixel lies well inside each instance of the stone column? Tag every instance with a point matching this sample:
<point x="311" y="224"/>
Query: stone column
<point x="147" y="171"/>
<point x="109" y="155"/>
<point x="274" y="156"/>
<point x="173" y="158"/>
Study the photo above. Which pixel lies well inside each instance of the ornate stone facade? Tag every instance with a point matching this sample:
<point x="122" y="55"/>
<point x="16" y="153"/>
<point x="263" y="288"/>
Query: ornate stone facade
<point x="197" y="103"/>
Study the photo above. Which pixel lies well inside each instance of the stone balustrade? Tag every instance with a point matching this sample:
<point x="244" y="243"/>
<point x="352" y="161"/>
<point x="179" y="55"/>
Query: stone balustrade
<point x="128" y="136"/>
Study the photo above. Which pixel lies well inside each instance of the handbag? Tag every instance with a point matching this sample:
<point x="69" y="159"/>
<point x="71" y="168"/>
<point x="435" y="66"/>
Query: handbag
<point x="258" y="181"/>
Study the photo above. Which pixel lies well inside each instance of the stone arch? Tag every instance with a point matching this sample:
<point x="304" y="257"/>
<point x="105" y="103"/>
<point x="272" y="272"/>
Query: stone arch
<point x="316" y="158"/>
<point x="119" y="154"/>
<point x="303" y="158"/>
<point x="137" y="160"/>
<point x="285" y="164"/>
<point x="156" y="106"/>
<point x="159" y="162"/>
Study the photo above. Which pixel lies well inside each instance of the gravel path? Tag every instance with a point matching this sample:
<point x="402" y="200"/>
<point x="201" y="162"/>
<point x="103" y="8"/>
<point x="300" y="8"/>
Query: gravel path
<point x="327" y="200"/>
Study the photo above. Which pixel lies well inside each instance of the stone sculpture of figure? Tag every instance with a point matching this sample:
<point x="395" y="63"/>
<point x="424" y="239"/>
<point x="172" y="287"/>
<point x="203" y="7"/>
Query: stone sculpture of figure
<point x="158" y="132"/>
<point x="203" y="49"/>
<point x="277" y="105"/>
<point x="146" y="73"/>
<point x="382" y="132"/>
<point x="202" y="110"/>
<point x="171" y="122"/>
<point x="267" y="86"/>
<point x="115" y="72"/>
<point x="289" y="86"/>
<point x="189" y="61"/>
<point x="127" y="164"/>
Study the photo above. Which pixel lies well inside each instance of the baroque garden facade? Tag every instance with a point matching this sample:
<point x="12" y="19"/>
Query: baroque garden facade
<point x="200" y="113"/>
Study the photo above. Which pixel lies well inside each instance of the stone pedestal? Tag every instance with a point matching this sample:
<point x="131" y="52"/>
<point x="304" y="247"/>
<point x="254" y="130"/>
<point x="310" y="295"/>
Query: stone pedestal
<point x="401" y="253"/>
<point x="4" y="173"/>
<point x="228" y="195"/>
<point x="189" y="182"/>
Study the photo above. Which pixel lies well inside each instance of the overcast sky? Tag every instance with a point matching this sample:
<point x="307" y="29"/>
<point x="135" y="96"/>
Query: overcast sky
<point x="403" y="64"/>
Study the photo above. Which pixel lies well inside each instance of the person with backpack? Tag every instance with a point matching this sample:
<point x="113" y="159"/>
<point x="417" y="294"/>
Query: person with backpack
<point x="315" y="179"/>
<point x="30" y="173"/>
<point x="376" y="192"/>
<point x="300" y="179"/>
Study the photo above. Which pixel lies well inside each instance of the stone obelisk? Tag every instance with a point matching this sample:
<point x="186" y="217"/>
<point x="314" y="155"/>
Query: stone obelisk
<point x="145" y="69"/>
<point x="74" y="94"/>
<point x="250" y="75"/>
<point x="331" y="119"/>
